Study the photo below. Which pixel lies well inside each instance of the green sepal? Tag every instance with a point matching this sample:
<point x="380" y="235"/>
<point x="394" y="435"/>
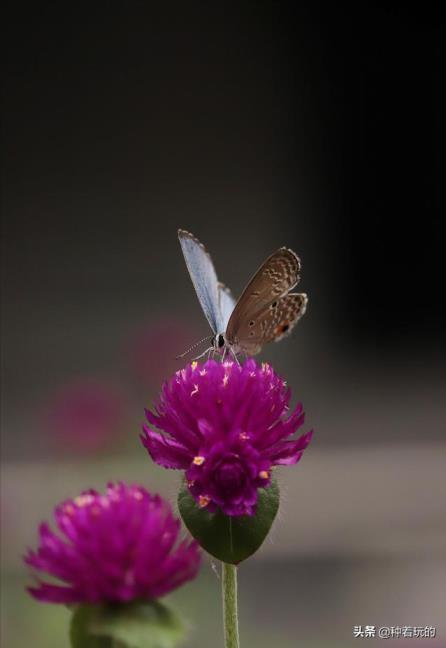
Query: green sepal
<point x="230" y="539"/>
<point x="140" y="624"/>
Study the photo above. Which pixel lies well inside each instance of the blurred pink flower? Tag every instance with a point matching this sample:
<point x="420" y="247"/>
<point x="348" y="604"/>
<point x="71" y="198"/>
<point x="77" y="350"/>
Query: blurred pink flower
<point x="86" y="415"/>
<point x="153" y="349"/>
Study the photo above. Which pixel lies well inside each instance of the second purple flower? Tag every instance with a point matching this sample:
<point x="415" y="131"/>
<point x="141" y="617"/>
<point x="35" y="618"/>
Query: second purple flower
<point x="227" y="425"/>
<point x="115" y="547"/>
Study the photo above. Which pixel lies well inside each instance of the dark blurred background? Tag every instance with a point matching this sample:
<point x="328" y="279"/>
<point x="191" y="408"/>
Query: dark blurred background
<point x="253" y="126"/>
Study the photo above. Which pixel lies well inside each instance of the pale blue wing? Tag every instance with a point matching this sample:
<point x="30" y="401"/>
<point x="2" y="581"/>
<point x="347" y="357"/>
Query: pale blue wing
<point x="204" y="278"/>
<point x="227" y="304"/>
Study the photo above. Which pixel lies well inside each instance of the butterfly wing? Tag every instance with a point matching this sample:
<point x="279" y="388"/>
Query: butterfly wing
<point x="227" y="304"/>
<point x="273" y="280"/>
<point x="274" y="322"/>
<point x="204" y="279"/>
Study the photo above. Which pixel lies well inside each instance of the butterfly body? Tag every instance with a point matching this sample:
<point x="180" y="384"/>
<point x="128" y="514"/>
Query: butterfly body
<point x="266" y="310"/>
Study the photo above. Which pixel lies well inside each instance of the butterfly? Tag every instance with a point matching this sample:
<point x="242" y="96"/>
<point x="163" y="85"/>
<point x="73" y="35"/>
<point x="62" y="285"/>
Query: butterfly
<point x="266" y="310"/>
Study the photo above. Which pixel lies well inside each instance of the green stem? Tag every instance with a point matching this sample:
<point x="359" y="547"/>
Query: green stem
<point x="230" y="614"/>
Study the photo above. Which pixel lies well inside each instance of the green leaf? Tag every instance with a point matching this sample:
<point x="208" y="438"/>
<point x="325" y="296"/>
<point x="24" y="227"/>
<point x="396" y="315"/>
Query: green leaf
<point x="230" y="539"/>
<point x="80" y="635"/>
<point x="141" y="624"/>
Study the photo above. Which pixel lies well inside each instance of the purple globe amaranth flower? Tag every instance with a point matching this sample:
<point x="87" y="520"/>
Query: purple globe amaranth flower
<point x="225" y="424"/>
<point x="118" y="547"/>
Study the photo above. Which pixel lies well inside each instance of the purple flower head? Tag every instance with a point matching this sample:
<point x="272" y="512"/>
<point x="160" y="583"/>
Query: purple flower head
<point x="226" y="425"/>
<point x="115" y="547"/>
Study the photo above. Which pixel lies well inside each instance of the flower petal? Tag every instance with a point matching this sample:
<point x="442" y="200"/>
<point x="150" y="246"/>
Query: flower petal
<point x="286" y="453"/>
<point x="164" y="451"/>
<point x="54" y="594"/>
<point x="283" y="428"/>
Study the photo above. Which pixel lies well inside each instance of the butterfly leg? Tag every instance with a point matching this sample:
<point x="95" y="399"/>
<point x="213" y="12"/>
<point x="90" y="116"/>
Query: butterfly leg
<point x="202" y="354"/>
<point x="234" y="355"/>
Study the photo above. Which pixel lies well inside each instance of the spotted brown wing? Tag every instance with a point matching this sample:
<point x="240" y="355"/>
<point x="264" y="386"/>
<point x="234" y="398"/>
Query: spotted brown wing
<point x="278" y="322"/>
<point x="273" y="280"/>
<point x="274" y="322"/>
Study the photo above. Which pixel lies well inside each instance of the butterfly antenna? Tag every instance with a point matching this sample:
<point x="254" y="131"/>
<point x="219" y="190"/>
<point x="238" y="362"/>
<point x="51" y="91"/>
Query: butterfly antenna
<point x="192" y="347"/>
